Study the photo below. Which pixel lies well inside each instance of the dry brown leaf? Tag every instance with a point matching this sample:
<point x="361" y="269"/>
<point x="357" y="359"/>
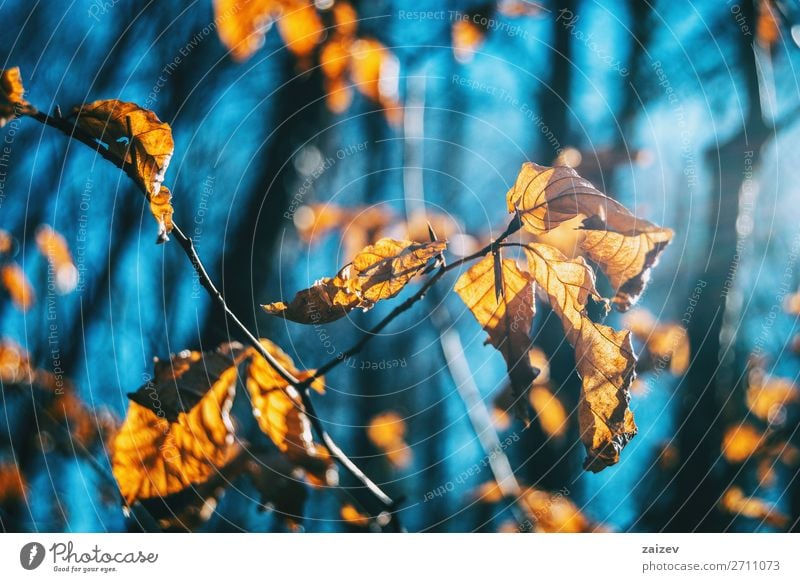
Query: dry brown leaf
<point x="604" y="357"/>
<point x="379" y="271"/>
<point x="12" y="101"/>
<point x="17" y="285"/>
<point x="740" y="442"/>
<point x="152" y="457"/>
<point x="279" y="411"/>
<point x="54" y="247"/>
<point x="506" y="316"/>
<point x="387" y="432"/>
<point x="162" y="211"/>
<point x="130" y="131"/>
<point x="624" y="246"/>
<point x="549" y="410"/>
<point x="734" y="501"/>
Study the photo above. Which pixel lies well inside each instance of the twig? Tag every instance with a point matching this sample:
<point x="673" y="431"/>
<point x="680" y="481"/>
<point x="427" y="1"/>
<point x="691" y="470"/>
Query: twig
<point x="73" y="131"/>
<point x="513" y="227"/>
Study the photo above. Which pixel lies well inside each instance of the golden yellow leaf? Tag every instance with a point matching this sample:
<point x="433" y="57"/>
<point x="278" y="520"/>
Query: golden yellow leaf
<point x="604" y="357"/>
<point x="12" y="101"/>
<point x="387" y="432"/>
<point x="17" y="285"/>
<point x="549" y="411"/>
<point x="379" y="271"/>
<point x="667" y="343"/>
<point x="624" y="246"/>
<point x="740" y="442"/>
<point x="279" y="411"/>
<point x="734" y="501"/>
<point x="505" y="310"/>
<point x="129" y="132"/>
<point x="335" y="58"/>
<point x="161" y="208"/>
<point x="152" y="457"/>
<point x="54" y="246"/>
<point x="374" y="70"/>
<point x="345" y="19"/>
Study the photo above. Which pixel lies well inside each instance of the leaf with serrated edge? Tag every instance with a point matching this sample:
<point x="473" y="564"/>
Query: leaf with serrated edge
<point x="624" y="247"/>
<point x="604" y="357"/>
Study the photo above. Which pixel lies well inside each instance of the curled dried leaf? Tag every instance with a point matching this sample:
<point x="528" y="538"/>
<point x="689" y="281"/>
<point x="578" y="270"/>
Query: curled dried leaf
<point x="604" y="357"/>
<point x="379" y="271"/>
<point x="161" y="208"/>
<point x="506" y="316"/>
<point x="152" y="457"/>
<point x="625" y="247"/>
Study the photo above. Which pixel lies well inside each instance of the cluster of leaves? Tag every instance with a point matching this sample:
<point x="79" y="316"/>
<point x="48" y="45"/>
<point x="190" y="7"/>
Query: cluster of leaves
<point x="328" y="36"/>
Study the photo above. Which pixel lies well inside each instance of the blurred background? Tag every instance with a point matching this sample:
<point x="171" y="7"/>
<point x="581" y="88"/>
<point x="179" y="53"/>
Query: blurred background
<point x="685" y="112"/>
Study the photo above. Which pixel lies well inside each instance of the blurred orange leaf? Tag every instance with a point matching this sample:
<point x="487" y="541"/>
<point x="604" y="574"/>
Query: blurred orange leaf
<point x="17" y="285"/>
<point x="734" y="501"/>
<point x="741" y="442"/>
<point x="387" y="432"/>
<point x="54" y="246"/>
<point x="12" y="93"/>
<point x="549" y="411"/>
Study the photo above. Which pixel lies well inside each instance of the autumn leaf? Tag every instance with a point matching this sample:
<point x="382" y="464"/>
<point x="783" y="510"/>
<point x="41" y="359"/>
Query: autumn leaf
<point x="506" y="316"/>
<point x="667" y="343"/>
<point x="152" y="457"/>
<point x="281" y="491"/>
<point x="353" y="516"/>
<point x="374" y="70"/>
<point x="12" y="101"/>
<point x="768" y="30"/>
<point x="54" y="247"/>
<point x="179" y="383"/>
<point x="768" y="396"/>
<point x="604" y="357"/>
<point x="15" y="367"/>
<point x="379" y="271"/>
<point x="242" y="24"/>
<point x="134" y="136"/>
<point x="17" y="285"/>
<point x="554" y="513"/>
<point x="624" y="247"/>
<point x="279" y="411"/>
<point x="387" y="432"/>
<point x="467" y="38"/>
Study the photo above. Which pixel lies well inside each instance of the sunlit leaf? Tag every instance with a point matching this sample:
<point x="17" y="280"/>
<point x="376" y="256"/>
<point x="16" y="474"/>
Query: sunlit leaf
<point x="377" y="272"/>
<point x="152" y="457"/>
<point x="12" y="101"/>
<point x="604" y="357"/>
<point x="179" y="383"/>
<point x="279" y="411"/>
<point x="624" y="247"/>
<point x="387" y="432"/>
<point x="300" y="28"/>
<point x="242" y="24"/>
<point x="506" y="317"/>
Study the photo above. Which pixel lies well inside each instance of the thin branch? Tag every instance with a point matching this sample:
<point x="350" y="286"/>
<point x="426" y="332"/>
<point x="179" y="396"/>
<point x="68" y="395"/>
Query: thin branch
<point x="513" y="227"/>
<point x="72" y="131"/>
